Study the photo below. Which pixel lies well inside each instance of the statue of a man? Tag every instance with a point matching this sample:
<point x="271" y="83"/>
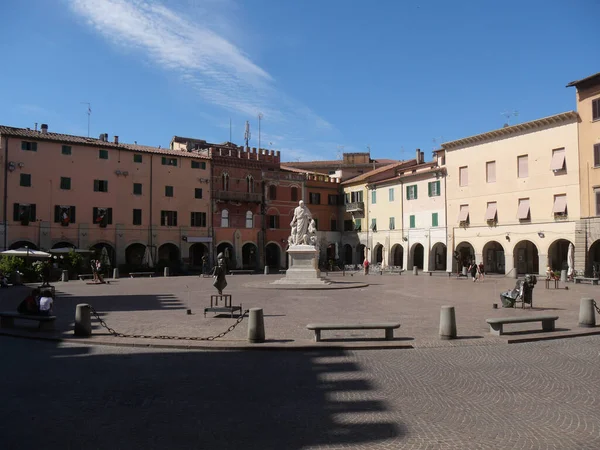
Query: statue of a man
<point x="219" y="271"/>
<point x="299" y="224"/>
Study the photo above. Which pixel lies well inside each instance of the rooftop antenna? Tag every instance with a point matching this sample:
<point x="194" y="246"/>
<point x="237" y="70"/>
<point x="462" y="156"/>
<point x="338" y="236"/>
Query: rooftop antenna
<point x="340" y="155"/>
<point x="247" y="133"/>
<point x="437" y="142"/>
<point x="89" y="113"/>
<point x="509" y="114"/>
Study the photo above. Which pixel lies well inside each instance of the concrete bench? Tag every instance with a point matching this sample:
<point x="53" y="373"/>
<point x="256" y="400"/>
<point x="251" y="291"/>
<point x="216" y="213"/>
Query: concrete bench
<point x="141" y="274"/>
<point x="389" y="328"/>
<point x="85" y="276"/>
<point x="241" y="272"/>
<point x="586" y="280"/>
<point x="497" y="323"/>
<point x="7" y="320"/>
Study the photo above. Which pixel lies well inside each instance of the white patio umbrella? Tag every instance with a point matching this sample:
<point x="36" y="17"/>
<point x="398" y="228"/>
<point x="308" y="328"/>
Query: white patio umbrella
<point x="147" y="259"/>
<point x="571" y="259"/>
<point x="26" y="253"/>
<point x="104" y="258"/>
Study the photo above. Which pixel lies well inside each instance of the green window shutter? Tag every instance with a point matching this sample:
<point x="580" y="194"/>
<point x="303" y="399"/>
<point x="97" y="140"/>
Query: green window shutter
<point x="429" y="188"/>
<point x="415" y="188"/>
<point x="434" y="219"/>
<point x="439" y="192"/>
<point x="412" y="221"/>
<point x="407" y="195"/>
<point x="72" y="215"/>
<point x="56" y="213"/>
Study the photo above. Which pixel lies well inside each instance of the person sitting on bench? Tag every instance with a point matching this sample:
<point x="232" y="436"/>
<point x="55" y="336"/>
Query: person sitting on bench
<point x="46" y="303"/>
<point x="30" y="305"/>
<point x="550" y="274"/>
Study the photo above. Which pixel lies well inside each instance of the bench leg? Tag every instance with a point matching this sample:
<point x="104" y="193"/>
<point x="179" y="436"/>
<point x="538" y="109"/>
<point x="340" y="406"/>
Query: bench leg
<point x="548" y="325"/>
<point x="496" y="329"/>
<point x="389" y="334"/>
<point x="7" y="322"/>
<point x="317" y="335"/>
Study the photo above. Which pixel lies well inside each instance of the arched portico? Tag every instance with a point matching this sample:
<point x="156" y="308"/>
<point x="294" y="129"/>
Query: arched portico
<point x="397" y="256"/>
<point x="557" y="255"/>
<point x="465" y="254"/>
<point x="437" y="258"/>
<point x="526" y="257"/>
<point x="377" y="254"/>
<point x="250" y="256"/>
<point x="347" y="254"/>
<point x="493" y="257"/>
<point x="417" y="255"/>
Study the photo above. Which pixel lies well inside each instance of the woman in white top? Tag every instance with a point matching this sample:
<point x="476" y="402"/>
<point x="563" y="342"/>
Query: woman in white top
<point x="46" y="303"/>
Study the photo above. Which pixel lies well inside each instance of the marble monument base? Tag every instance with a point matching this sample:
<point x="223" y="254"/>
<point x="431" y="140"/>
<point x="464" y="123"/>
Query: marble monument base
<point x="303" y="267"/>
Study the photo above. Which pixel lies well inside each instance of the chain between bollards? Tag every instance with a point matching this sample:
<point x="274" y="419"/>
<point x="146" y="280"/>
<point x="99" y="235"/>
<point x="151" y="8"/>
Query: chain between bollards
<point x="596" y="307"/>
<point x="175" y="338"/>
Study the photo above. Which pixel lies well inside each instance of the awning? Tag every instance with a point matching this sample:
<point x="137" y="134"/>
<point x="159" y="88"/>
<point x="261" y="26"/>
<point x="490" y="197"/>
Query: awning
<point x="463" y="215"/>
<point x="558" y="160"/>
<point x="523" y="211"/>
<point x="560" y="204"/>
<point x="490" y="213"/>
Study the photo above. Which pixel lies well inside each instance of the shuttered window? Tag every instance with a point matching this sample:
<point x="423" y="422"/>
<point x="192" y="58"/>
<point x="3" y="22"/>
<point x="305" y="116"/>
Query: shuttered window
<point x="490" y="171"/>
<point x="463" y="175"/>
<point x="522" y="166"/>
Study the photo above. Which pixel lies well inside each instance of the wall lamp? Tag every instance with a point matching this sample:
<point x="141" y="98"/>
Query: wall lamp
<point x="507" y="237"/>
<point x="541" y="234"/>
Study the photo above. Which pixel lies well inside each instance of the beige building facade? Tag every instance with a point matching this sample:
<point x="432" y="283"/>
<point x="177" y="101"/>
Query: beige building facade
<point x="513" y="199"/>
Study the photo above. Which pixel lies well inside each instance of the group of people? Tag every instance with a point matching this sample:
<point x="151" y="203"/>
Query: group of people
<point x="97" y="268"/>
<point x="37" y="303"/>
<point x="477" y="271"/>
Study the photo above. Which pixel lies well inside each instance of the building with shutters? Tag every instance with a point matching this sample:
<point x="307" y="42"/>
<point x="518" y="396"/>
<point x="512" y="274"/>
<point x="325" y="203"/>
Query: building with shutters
<point x="513" y="197"/>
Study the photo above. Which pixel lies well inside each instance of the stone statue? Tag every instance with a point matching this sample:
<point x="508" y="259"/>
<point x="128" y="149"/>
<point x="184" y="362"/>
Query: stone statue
<point x="311" y="237"/>
<point x="299" y="225"/>
<point x="219" y="271"/>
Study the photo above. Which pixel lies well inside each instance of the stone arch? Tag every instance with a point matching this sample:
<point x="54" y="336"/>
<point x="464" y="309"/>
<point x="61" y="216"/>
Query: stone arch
<point x="437" y="256"/>
<point x="526" y="257"/>
<point x="493" y="257"/>
<point x="168" y="252"/>
<point x="557" y="255"/>
<point x="377" y="254"/>
<point x="63" y="244"/>
<point x="273" y="255"/>
<point x="417" y="255"/>
<point x="464" y="255"/>
<point x="347" y="254"/>
<point x="397" y="255"/>
<point x="593" y="258"/>
<point x="98" y="249"/>
<point x="134" y="254"/>
<point x="22" y="244"/>
<point x="226" y="247"/>
<point x="196" y="252"/>
<point x="249" y="256"/>
<point x="361" y="253"/>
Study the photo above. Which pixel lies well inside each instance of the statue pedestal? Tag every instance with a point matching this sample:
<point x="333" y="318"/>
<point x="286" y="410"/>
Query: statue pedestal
<point x="303" y="267"/>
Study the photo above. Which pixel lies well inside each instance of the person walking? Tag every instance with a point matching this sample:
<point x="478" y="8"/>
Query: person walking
<point x="366" y="266"/>
<point x="473" y="270"/>
<point x="481" y="271"/>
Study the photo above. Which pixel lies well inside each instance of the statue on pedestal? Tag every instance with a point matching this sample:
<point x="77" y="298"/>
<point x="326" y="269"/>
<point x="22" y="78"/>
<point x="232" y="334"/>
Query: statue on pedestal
<point x="301" y="226"/>
<point x="218" y="273"/>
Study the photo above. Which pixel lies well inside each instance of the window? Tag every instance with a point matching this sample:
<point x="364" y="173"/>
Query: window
<point x="273" y="192"/>
<point x="225" y="181"/>
<point x="64" y="215"/>
<point x="25" y="180"/>
<point x="560" y="205"/>
<point x="273" y="221"/>
<point x="357" y="224"/>
<point x="137" y="159"/>
<point x="373" y="196"/>
<point x="102" y="216"/>
<point x="137" y="216"/>
<point x="463" y="214"/>
<point x="491" y="213"/>
<point x="168" y="218"/>
<point x="596" y="109"/>
<point x="100" y="186"/>
<point x="198" y="219"/>
<point x="391" y="194"/>
<point x="24" y="213"/>
<point x="65" y="183"/>
<point x="434" y="219"/>
<point x="294" y="194"/>
<point x="225" y="219"/>
<point x="249" y="219"/>
<point x="597" y="155"/>
<point x="522" y="166"/>
<point x="411" y="192"/>
<point x="30" y="146"/>
<point x="169" y="161"/>
<point x="198" y="165"/>
<point x="348" y="225"/>
<point x="356" y="196"/>
<point x="314" y="198"/>
<point x="250" y="184"/>
<point x="374" y="224"/>
<point x="523" y="211"/>
<point x="433" y="188"/>
<point x="490" y="172"/>
<point x="597" y="196"/>
<point x="333" y="225"/>
<point x="102" y="154"/>
<point x="332" y="199"/>
<point x="463" y="176"/>
<point x="558" y="160"/>
<point x="198" y="193"/>
<point x="137" y="188"/>
<point x="168" y="191"/>
<point x="411" y="221"/>
<point x="392" y="223"/>
<point x="66" y="150"/>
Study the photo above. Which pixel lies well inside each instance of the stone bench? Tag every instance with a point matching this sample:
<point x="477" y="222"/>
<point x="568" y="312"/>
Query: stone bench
<point x="389" y="328"/>
<point x="7" y="320"/>
<point x="141" y="274"/>
<point x="497" y="323"/>
<point x="586" y="280"/>
<point x="242" y="272"/>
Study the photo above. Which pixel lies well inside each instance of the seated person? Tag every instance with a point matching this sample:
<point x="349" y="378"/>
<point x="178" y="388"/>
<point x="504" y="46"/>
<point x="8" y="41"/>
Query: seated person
<point x="30" y="304"/>
<point x="550" y="274"/>
<point x="46" y="303"/>
<point x="3" y="280"/>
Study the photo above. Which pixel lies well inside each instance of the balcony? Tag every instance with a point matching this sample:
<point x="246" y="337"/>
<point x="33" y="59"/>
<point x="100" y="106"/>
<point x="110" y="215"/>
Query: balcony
<point x="355" y="207"/>
<point x="233" y="196"/>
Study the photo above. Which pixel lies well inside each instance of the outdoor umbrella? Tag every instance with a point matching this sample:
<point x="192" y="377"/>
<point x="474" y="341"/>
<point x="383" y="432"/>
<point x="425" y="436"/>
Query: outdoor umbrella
<point x="104" y="257"/>
<point x="147" y="260"/>
<point x="26" y="253"/>
<point x="571" y="259"/>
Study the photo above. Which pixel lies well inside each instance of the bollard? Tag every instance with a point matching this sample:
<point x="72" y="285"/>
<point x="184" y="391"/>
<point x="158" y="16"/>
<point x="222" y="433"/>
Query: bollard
<point x="115" y="273"/>
<point x="494" y="305"/>
<point x="464" y="271"/>
<point x="415" y="270"/>
<point x="166" y="272"/>
<point x="83" y="321"/>
<point x="563" y="276"/>
<point x="64" y="277"/>
<point x="587" y="317"/>
<point x="514" y="274"/>
<point x="447" y="323"/>
<point x="256" y="326"/>
<point x="266" y="270"/>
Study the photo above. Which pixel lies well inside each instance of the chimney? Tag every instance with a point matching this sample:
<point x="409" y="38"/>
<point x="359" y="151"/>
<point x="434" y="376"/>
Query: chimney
<point x="418" y="156"/>
<point x="44" y="128"/>
<point x="422" y="157"/>
<point x="101" y="137"/>
<point x="105" y="137"/>
<point x="116" y="139"/>
<point x="35" y="126"/>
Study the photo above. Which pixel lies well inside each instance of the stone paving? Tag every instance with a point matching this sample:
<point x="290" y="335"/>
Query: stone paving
<point x="542" y="395"/>
<point x="157" y="306"/>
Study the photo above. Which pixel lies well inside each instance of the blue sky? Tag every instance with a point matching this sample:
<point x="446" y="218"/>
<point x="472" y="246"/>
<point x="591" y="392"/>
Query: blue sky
<point x="325" y="74"/>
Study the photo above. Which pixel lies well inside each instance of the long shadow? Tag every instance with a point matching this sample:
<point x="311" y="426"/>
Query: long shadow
<point x="56" y="398"/>
<point x="536" y="331"/>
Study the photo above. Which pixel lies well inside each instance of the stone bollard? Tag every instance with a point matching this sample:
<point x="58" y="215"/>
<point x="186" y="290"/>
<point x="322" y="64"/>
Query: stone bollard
<point x="415" y="270"/>
<point x="256" y="326"/>
<point x="83" y="321"/>
<point x="587" y="317"/>
<point x="115" y="273"/>
<point x="64" y="276"/>
<point x="514" y="274"/>
<point x="447" y="323"/>
<point x="464" y="271"/>
<point x="266" y="270"/>
<point x="563" y="276"/>
<point x="166" y="272"/>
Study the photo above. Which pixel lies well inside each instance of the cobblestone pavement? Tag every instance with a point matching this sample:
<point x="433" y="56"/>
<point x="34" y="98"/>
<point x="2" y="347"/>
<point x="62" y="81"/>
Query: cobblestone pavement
<point x="543" y="395"/>
<point x="157" y="306"/>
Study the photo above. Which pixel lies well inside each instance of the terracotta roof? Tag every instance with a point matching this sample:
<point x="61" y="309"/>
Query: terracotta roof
<point x="421" y="169"/>
<point x="325" y="163"/>
<point x="93" y="142"/>
<point x="587" y="80"/>
<point x="295" y="170"/>
<point x="365" y="176"/>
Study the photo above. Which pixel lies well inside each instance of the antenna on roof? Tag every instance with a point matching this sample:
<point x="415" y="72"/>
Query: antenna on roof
<point x="437" y="142"/>
<point x="247" y="133"/>
<point x="509" y="114"/>
<point x="340" y="155"/>
<point x="89" y="113"/>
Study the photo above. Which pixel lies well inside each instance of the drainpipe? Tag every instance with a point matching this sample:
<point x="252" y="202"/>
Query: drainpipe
<point x="150" y="224"/>
<point x="367" y="223"/>
<point x="5" y="206"/>
<point x="446" y="226"/>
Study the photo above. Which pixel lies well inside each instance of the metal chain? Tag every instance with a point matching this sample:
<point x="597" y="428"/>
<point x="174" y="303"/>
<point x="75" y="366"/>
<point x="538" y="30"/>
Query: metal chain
<point x="175" y="338"/>
<point x="596" y="306"/>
